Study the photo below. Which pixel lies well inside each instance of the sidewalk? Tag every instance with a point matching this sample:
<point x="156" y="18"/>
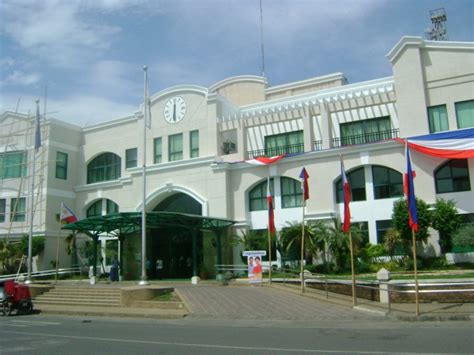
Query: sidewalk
<point x="399" y="311"/>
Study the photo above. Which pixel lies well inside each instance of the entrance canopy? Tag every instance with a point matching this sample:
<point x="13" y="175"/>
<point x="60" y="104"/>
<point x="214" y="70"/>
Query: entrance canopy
<point x="130" y="222"/>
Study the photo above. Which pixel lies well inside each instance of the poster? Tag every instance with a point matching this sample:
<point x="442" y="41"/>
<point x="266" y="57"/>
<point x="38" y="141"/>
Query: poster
<point x="254" y="265"/>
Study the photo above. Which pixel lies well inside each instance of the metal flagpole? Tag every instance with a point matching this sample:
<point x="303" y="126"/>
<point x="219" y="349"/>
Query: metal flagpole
<point x="143" y="280"/>
<point x="269" y="235"/>
<point x="415" y="269"/>
<point x="57" y="246"/>
<point x="302" y="247"/>
<point x="29" y="280"/>
<point x="354" y="297"/>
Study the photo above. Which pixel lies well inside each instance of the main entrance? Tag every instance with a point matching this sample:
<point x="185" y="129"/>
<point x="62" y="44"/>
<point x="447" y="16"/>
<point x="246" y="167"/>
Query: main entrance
<point x="171" y="251"/>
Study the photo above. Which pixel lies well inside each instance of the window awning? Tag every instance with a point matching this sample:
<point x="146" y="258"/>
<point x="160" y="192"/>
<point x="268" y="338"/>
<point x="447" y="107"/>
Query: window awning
<point x="130" y="222"/>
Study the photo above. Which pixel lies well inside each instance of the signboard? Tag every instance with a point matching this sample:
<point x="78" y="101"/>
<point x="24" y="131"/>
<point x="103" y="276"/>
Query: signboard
<point x="254" y="265"/>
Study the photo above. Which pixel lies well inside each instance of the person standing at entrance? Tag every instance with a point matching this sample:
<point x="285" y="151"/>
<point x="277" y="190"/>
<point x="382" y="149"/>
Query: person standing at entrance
<point x="114" y="270"/>
<point x="159" y="268"/>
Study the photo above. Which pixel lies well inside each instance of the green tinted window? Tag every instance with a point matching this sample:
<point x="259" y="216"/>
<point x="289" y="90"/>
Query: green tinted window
<point x="438" y="118"/>
<point x="465" y="114"/>
<point x="61" y="165"/>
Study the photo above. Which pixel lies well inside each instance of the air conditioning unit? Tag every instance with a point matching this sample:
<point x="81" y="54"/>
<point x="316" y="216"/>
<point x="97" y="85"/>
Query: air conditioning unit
<point x="229" y="148"/>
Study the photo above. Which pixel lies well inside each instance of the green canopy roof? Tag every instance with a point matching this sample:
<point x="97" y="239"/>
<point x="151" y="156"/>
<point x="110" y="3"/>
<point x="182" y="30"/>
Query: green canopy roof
<point x="129" y="222"/>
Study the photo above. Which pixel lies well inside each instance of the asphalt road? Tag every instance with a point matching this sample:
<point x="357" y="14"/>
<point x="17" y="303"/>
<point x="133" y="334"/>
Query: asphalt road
<point x="42" y="334"/>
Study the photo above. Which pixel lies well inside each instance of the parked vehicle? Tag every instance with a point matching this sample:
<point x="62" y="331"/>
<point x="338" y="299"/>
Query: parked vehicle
<point x="15" y="297"/>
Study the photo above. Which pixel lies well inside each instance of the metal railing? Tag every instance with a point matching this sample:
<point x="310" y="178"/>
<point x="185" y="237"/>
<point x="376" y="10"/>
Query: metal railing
<point x="41" y="274"/>
<point x="271" y="152"/>
<point x="318" y="145"/>
<point x="365" y="138"/>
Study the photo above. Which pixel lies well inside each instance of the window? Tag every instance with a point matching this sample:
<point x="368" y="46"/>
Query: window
<point x="18" y="209"/>
<point x="194" y="144"/>
<point x="61" y="165"/>
<point x="97" y="207"/>
<point x="286" y="143"/>
<point x="366" y="131"/>
<point x="111" y="207"/>
<point x="157" y="151"/>
<point x="438" y="118"/>
<point x="465" y="114"/>
<point x="382" y="227"/>
<point x="387" y="182"/>
<point x="131" y="158"/>
<point x="12" y="165"/>
<point x="291" y="194"/>
<point x="258" y="196"/>
<point x="105" y="167"/>
<point x="357" y="183"/>
<point x="453" y="176"/>
<point x="175" y="147"/>
<point x="3" y="203"/>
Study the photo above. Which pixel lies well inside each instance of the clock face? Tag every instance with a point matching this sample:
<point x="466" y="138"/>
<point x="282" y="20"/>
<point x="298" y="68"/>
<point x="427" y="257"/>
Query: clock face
<point x="175" y="109"/>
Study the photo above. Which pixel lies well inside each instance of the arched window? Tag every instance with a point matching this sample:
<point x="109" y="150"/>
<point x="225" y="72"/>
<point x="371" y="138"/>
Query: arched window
<point x="258" y="196"/>
<point x="105" y="167"/>
<point x="97" y="207"/>
<point x="387" y="182"/>
<point x="357" y="183"/>
<point x="453" y="176"/>
<point x="291" y="195"/>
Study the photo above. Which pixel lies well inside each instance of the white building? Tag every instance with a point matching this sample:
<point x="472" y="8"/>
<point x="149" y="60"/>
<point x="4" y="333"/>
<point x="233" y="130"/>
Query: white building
<point x="197" y="134"/>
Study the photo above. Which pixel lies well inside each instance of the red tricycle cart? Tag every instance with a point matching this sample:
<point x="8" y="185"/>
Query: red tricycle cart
<point x="16" y="297"/>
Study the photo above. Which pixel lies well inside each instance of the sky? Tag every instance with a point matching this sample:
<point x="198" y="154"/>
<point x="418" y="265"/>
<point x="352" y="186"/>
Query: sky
<point x="90" y="54"/>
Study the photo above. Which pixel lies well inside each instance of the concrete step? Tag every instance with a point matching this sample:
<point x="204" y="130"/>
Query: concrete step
<point x="157" y="304"/>
<point x="78" y="298"/>
<point x="76" y="303"/>
<point x="87" y="294"/>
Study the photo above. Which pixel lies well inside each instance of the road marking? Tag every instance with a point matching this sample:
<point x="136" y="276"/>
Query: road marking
<point x="12" y="325"/>
<point x="214" y="346"/>
<point x="35" y="322"/>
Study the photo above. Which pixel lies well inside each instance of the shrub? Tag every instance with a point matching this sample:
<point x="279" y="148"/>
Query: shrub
<point x="464" y="236"/>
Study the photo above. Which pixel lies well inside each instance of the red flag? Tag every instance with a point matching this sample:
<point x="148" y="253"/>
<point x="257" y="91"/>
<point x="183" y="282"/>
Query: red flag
<point x="304" y="184"/>
<point x="271" y="217"/>
<point x="346" y="189"/>
<point x="265" y="160"/>
<point x="409" y="189"/>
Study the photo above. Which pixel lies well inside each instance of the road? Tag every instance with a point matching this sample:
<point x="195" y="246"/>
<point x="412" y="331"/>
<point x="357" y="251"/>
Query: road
<point x="43" y="334"/>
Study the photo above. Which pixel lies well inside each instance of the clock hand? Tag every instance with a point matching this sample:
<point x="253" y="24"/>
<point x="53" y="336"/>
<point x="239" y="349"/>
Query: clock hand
<point x="174" y="112"/>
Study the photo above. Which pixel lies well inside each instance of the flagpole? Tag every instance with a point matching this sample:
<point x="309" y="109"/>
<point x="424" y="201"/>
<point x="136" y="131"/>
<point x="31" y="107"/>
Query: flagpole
<point x="143" y="280"/>
<point x="302" y="247"/>
<point x="415" y="268"/>
<point x="29" y="279"/>
<point x="57" y="246"/>
<point x="269" y="239"/>
<point x="354" y="297"/>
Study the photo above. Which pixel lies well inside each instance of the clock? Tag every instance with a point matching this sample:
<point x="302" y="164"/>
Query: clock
<point x="175" y="109"/>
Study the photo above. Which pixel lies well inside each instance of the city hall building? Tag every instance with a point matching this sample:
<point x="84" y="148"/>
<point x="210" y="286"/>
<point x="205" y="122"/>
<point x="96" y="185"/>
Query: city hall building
<point x="201" y="138"/>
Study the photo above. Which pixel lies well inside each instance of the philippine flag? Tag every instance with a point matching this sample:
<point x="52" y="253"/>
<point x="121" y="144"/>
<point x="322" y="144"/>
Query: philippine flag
<point x="458" y="144"/>
<point x="409" y="188"/>
<point x="304" y="183"/>
<point x="271" y="216"/>
<point x="346" y="190"/>
<point x="67" y="216"/>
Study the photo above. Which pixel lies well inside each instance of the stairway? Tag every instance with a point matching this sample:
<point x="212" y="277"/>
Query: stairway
<point x="80" y="296"/>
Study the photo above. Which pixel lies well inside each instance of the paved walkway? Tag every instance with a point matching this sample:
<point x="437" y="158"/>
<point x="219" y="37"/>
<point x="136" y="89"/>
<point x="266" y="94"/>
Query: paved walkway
<point x="276" y="302"/>
<point x="260" y="302"/>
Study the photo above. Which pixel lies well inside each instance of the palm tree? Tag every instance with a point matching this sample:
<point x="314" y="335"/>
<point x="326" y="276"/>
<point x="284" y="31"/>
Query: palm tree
<point x="290" y="241"/>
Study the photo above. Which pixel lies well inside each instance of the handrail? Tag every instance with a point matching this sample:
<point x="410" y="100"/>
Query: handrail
<point x="42" y="273"/>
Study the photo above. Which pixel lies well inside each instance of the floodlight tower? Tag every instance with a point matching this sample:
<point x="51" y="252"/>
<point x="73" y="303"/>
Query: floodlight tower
<point x="438" y="31"/>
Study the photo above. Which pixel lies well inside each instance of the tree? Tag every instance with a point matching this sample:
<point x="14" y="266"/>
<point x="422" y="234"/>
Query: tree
<point x="391" y="240"/>
<point x="464" y="237"/>
<point x="400" y="221"/>
<point x="37" y="244"/>
<point x="290" y="240"/>
<point x="446" y="220"/>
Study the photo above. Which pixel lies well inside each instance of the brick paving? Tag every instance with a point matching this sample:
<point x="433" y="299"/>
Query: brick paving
<point x="260" y="302"/>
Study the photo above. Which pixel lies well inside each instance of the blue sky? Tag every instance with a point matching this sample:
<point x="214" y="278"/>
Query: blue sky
<point x="90" y="53"/>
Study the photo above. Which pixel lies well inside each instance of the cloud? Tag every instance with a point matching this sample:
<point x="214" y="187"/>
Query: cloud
<point x="80" y="110"/>
<point x="20" y="78"/>
<point x="55" y="31"/>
